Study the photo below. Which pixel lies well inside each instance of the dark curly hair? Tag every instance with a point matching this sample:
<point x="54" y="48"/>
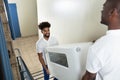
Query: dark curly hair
<point x="43" y="25"/>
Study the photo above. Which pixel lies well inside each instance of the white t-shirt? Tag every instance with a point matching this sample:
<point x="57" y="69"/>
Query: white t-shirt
<point x="104" y="57"/>
<point x="41" y="45"/>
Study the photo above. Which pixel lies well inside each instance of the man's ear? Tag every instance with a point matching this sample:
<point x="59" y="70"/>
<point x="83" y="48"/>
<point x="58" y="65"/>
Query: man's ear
<point x="113" y="12"/>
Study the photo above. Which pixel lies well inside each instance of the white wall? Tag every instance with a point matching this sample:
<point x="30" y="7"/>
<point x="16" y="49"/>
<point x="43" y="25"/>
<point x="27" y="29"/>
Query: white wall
<point x="72" y="20"/>
<point x="27" y="14"/>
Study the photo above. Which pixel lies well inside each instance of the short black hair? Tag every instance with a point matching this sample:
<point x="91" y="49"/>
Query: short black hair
<point x="43" y="25"/>
<point x="114" y="3"/>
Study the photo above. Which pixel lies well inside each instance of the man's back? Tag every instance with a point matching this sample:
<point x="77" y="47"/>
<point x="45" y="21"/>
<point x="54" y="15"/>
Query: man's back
<point x="104" y="55"/>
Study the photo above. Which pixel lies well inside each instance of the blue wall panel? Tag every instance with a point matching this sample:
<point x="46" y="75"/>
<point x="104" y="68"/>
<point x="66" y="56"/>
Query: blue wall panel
<point x="9" y="19"/>
<point x="6" y="67"/>
<point x="14" y="20"/>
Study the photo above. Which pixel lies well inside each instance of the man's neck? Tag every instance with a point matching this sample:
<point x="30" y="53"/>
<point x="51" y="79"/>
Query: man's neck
<point x="46" y="38"/>
<point x="113" y="27"/>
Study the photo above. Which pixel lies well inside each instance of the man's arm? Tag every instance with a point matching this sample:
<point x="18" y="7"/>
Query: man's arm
<point x="42" y="62"/>
<point x="89" y="76"/>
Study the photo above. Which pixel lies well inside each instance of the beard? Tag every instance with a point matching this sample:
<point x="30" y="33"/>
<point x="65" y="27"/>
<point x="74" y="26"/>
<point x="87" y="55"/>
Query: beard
<point x="104" y="21"/>
<point x="47" y="35"/>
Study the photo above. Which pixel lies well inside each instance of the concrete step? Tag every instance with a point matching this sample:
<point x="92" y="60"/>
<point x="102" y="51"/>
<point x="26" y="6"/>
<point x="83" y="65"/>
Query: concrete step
<point x="39" y="75"/>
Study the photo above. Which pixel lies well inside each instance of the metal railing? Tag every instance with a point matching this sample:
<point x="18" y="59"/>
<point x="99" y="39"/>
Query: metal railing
<point x="24" y="71"/>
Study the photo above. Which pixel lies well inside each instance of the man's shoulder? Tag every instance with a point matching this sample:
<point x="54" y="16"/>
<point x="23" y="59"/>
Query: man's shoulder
<point x="100" y="43"/>
<point x="53" y="41"/>
<point x="102" y="40"/>
<point x="39" y="41"/>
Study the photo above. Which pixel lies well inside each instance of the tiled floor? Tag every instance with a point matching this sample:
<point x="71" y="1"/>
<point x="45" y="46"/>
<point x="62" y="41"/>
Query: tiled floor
<point x="28" y="52"/>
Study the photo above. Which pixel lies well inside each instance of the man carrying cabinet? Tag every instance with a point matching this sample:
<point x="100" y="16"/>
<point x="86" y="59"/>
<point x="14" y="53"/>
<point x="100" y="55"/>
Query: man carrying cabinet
<point x="103" y="61"/>
<point x="41" y="45"/>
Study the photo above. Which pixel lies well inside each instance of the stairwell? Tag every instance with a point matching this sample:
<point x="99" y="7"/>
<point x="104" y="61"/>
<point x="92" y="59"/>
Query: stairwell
<point x="9" y="42"/>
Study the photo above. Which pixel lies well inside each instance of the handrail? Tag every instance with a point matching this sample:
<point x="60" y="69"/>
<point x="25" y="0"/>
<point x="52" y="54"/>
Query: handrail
<point x="18" y="50"/>
<point x="24" y="71"/>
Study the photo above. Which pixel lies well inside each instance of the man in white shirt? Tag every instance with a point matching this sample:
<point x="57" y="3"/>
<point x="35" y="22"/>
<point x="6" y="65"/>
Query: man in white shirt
<point x="103" y="61"/>
<point x="41" y="45"/>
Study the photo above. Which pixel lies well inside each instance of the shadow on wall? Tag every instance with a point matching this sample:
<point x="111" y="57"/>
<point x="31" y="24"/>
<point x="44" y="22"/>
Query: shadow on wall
<point x="72" y="21"/>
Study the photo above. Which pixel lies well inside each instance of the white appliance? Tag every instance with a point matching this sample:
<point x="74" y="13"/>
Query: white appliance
<point x="67" y="62"/>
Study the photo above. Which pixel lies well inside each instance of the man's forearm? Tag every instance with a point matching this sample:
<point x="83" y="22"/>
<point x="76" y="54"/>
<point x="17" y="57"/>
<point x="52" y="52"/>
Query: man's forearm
<point x="89" y="76"/>
<point x="43" y="63"/>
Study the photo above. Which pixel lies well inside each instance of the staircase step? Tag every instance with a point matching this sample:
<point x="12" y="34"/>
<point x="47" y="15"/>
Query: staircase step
<point x="39" y="75"/>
